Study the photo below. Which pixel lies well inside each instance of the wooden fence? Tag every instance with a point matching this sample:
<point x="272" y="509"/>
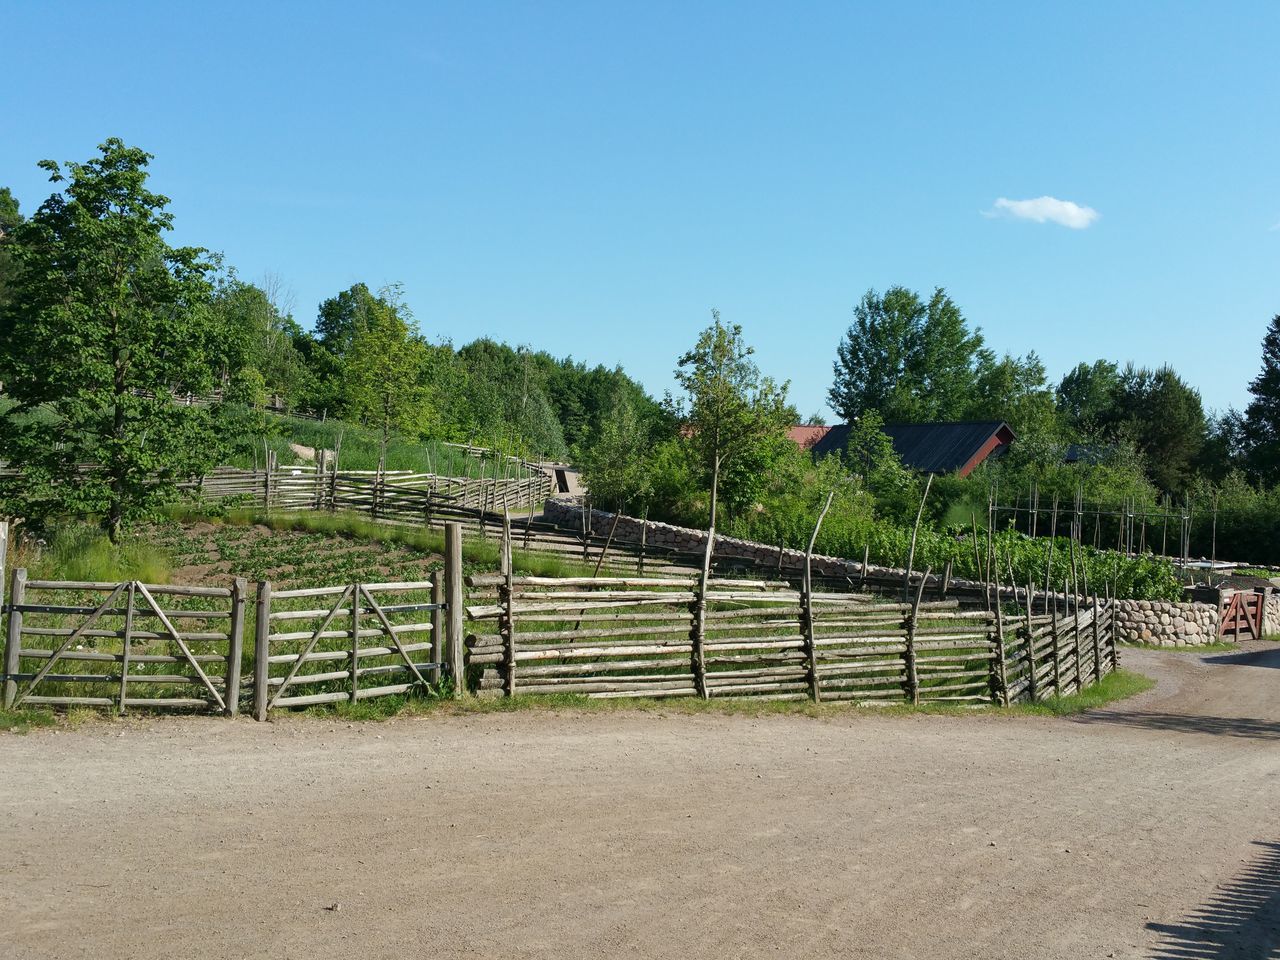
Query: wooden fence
<point x="390" y="496"/>
<point x="670" y="637"/>
<point x="123" y="645"/>
<point x="130" y="644"/>
<point x="346" y="643"/>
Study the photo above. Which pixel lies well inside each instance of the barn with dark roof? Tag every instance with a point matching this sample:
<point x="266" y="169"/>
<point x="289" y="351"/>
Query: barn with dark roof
<point x="957" y="447"/>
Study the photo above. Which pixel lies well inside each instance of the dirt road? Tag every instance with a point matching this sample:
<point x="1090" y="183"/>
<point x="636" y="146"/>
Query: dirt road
<point x="1149" y="830"/>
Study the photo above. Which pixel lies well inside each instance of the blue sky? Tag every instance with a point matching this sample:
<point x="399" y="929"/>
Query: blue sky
<point x="592" y="178"/>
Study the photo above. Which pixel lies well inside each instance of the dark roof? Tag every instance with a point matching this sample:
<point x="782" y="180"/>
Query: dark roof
<point x="933" y="447"/>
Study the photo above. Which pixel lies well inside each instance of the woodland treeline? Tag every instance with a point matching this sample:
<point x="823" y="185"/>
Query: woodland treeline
<point x="102" y="321"/>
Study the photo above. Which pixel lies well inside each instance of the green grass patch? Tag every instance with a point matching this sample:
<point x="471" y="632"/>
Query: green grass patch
<point x="80" y="551"/>
<point x="1116" y="686"/>
<point x="1218" y="646"/>
<point x="24" y="720"/>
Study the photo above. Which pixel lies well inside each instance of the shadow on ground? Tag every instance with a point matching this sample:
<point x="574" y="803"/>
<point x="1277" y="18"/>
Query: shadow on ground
<point x="1249" y="658"/>
<point x="1242" y="920"/>
<point x="1251" y="728"/>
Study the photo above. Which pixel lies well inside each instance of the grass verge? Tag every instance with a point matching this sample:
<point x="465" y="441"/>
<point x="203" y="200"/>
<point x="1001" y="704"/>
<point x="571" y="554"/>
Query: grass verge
<point x="1219" y="646"/>
<point x="22" y="720"/>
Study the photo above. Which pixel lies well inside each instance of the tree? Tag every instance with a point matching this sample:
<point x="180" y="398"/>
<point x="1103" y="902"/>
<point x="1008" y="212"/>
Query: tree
<point x="616" y="467"/>
<point x="730" y="405"/>
<point x="906" y="359"/>
<point x="10" y="218"/>
<point x="1263" y="412"/>
<point x="105" y="321"/>
<point x="382" y="367"/>
<point x="1087" y="398"/>
<point x="1165" y="419"/>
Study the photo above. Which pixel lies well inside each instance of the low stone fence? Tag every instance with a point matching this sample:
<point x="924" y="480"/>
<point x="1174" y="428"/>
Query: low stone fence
<point x="1166" y="624"/>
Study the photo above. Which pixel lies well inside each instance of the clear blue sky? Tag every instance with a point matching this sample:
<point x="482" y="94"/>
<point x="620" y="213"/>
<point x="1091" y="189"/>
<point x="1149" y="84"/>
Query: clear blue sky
<point x="593" y="178"/>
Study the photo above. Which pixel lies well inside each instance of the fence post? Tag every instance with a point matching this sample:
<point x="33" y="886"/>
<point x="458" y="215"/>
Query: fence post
<point x="13" y="638"/>
<point x="261" y="651"/>
<point x="699" y="628"/>
<point x="507" y="625"/>
<point x="909" y="655"/>
<point x="999" y="670"/>
<point x="235" y="641"/>
<point x="1033" y="688"/>
<point x="437" y="628"/>
<point x="355" y="641"/>
<point x="806" y="608"/>
<point x="453" y="601"/>
<point x="127" y="643"/>
<point x="1053" y="632"/>
<point x="1097" y="642"/>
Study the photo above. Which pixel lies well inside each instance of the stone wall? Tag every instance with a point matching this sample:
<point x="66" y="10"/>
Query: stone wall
<point x="1166" y="624"/>
<point x="1271" y="618"/>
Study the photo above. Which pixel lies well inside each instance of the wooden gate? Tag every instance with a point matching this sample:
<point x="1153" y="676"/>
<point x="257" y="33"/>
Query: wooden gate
<point x="123" y="645"/>
<point x="1241" y="617"/>
<point x="329" y="644"/>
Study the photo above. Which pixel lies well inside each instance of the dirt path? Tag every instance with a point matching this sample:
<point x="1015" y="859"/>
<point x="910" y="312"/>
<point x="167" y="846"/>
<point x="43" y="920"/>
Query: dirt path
<point x="1141" y="831"/>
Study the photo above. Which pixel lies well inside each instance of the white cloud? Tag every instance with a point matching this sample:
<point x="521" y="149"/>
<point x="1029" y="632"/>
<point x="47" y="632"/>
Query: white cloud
<point x="1045" y="210"/>
<point x="1275" y="228"/>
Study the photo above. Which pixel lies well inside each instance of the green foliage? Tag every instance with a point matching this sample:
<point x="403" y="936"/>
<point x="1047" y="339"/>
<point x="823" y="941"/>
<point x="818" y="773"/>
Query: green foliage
<point x="104" y="320"/>
<point x="79" y="551"/>
<point x="616" y="467"/>
<point x="1263" y="412"/>
<point x="906" y="359"/>
<point x="383" y="366"/>
<point x="730" y="409"/>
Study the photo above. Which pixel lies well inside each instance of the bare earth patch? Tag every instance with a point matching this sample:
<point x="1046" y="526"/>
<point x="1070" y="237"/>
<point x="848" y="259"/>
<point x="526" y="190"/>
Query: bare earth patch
<point x="636" y="834"/>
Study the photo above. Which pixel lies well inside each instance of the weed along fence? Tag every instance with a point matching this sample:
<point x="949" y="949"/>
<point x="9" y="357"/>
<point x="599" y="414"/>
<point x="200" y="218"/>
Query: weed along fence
<point x="675" y="637"/>
<point x="135" y="645"/>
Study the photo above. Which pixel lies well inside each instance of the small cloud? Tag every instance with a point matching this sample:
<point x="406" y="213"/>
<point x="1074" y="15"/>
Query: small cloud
<point x="1274" y="229"/>
<point x="1045" y="210"/>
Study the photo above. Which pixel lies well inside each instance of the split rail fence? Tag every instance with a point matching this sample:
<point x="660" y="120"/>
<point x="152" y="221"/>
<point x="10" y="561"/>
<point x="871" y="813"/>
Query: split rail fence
<point x="130" y="644"/>
<point x="673" y="637"/>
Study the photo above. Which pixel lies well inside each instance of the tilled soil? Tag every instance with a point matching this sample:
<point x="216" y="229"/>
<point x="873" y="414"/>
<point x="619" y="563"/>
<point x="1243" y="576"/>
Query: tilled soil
<point x="1146" y="830"/>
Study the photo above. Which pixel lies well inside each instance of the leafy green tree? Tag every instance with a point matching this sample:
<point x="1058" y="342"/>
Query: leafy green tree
<point x="1165" y="419"/>
<point x="1263" y="413"/>
<point x="261" y="357"/>
<point x="383" y="365"/>
<point x="616" y="467"/>
<point x="105" y="320"/>
<point x="10" y="218"/>
<point x="731" y="406"/>
<point x="907" y="359"/>
<point x="1087" y="398"/>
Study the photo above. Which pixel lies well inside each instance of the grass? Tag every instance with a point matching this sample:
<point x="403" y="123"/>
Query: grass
<point x="362" y="447"/>
<point x="81" y="551"/>
<point x="23" y="720"/>
<point x="1218" y="646"/>
<point x="1116" y="686"/>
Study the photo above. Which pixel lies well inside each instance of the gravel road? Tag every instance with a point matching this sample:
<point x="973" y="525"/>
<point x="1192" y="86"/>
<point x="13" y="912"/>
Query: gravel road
<point x="1151" y="830"/>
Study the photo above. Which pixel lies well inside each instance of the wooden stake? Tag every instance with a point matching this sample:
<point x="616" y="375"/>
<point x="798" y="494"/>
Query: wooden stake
<point x="261" y="651"/>
<point x="453" y="600"/>
<point x="915" y="530"/>
<point x="806" y="605"/>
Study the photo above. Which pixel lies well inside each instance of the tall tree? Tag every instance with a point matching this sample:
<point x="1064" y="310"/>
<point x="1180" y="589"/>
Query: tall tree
<point x="105" y="321"/>
<point x="10" y="218"/>
<point x="1087" y="397"/>
<point x="1263" y="413"/>
<point x="383" y="365"/>
<point x="1165" y="418"/>
<point x="730" y="404"/>
<point x="905" y="358"/>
